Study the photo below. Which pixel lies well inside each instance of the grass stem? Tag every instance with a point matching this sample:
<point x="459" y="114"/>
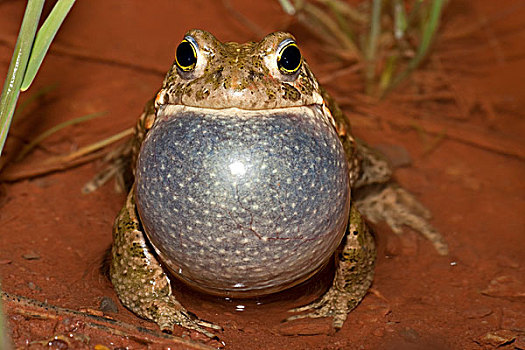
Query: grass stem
<point x="17" y="67"/>
<point x="429" y="29"/>
<point x="27" y="148"/>
<point x="370" y="53"/>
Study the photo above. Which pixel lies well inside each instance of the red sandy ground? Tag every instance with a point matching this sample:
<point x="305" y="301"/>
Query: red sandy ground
<point x="110" y="56"/>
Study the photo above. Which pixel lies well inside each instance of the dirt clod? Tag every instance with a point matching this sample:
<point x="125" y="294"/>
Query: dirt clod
<point x="33" y="286"/>
<point x="507" y="286"/>
<point x="58" y="344"/>
<point x="497" y="338"/>
<point x="108" y="305"/>
<point x="31" y="256"/>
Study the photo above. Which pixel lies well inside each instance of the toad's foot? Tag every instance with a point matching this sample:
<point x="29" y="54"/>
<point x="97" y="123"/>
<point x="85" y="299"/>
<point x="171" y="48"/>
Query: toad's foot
<point x="117" y="164"/>
<point x="353" y="276"/>
<point x="168" y="312"/>
<point x="334" y="303"/>
<point x="396" y="206"/>
<point x="139" y="280"/>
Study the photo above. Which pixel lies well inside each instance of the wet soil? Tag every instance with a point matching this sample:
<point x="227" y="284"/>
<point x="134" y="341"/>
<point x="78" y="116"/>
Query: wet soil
<point x="457" y="127"/>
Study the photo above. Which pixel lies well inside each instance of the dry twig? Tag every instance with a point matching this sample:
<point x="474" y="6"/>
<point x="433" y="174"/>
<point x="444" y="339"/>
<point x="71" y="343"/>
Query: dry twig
<point x="35" y="309"/>
<point x="84" y="155"/>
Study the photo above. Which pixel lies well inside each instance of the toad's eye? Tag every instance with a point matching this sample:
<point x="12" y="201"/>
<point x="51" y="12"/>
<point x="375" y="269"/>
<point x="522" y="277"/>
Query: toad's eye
<point x="289" y="57"/>
<point x="186" y="56"/>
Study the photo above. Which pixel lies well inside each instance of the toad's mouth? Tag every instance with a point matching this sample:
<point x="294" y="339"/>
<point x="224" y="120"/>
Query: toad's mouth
<point x="166" y="112"/>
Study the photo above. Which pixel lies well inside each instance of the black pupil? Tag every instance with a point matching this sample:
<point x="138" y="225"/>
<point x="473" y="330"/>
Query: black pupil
<point x="290" y="58"/>
<point x="185" y="55"/>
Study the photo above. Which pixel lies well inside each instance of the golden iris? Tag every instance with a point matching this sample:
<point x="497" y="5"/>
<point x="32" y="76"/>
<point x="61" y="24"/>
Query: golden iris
<point x="186" y="56"/>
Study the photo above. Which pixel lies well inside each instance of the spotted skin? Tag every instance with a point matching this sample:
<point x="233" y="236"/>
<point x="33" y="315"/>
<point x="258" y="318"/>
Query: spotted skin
<point x="245" y="77"/>
<point x="268" y="223"/>
<point x="353" y="277"/>
<point x="239" y="75"/>
<point x="135" y="268"/>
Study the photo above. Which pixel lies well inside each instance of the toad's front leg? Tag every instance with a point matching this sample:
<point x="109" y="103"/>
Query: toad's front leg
<point x="139" y="280"/>
<point x="353" y="276"/>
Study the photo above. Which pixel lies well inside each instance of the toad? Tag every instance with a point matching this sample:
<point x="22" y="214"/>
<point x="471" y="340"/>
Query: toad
<point x="248" y="181"/>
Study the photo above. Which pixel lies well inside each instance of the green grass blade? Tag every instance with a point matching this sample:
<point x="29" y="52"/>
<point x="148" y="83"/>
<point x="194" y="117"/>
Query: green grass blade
<point x="32" y="98"/>
<point x="44" y="37"/>
<point x="388" y="71"/>
<point x="287" y="7"/>
<point x="53" y="130"/>
<point x="371" y="45"/>
<point x="375" y="27"/>
<point x="17" y="68"/>
<point x="4" y="343"/>
<point x="351" y="12"/>
<point x="400" y="19"/>
<point x="429" y="29"/>
<point x="342" y="21"/>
